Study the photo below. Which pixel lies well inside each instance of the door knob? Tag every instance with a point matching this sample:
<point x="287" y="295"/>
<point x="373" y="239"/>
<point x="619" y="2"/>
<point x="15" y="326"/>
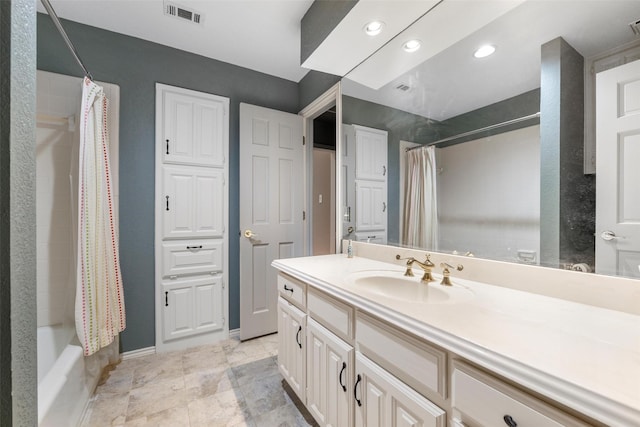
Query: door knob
<point x="249" y="234"/>
<point x="608" y="235"/>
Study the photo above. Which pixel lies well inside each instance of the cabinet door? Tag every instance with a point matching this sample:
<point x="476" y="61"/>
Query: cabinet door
<point x="193" y="202"/>
<point x="329" y="371"/>
<point x="194" y="129"/>
<point x="371" y="205"/>
<point x="192" y="307"/>
<point x="291" y="346"/>
<point x="385" y="401"/>
<point x="371" y="153"/>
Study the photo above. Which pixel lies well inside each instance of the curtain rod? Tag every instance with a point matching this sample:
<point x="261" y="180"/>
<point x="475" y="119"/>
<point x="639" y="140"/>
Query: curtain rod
<point x="484" y="129"/>
<point x="63" y="33"/>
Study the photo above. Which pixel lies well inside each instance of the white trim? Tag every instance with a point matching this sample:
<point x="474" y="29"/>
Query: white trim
<point x="333" y="96"/>
<point x="141" y="352"/>
<point x="234" y="333"/>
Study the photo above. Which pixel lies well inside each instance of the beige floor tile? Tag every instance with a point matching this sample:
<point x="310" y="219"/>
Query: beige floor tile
<point x="108" y="409"/>
<point x="159" y="368"/>
<point x="204" y="359"/>
<point x="222" y="409"/>
<point x="156" y="397"/>
<point x="208" y="382"/>
<point x="173" y="417"/>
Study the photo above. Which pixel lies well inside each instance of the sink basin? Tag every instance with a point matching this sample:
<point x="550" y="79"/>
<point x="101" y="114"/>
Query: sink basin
<point x="393" y="285"/>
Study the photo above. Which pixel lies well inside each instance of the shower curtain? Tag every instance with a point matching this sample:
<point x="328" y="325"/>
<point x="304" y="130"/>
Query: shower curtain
<point x="100" y="313"/>
<point x="420" y="202"/>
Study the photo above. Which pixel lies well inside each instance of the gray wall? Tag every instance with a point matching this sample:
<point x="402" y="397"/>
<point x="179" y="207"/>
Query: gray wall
<point x="18" y="364"/>
<point x="136" y="65"/>
<point x="313" y="85"/>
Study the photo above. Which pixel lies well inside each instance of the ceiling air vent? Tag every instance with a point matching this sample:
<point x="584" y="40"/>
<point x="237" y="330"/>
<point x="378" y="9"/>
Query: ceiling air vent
<point x="635" y="26"/>
<point x="180" y="12"/>
<point x="403" y="87"/>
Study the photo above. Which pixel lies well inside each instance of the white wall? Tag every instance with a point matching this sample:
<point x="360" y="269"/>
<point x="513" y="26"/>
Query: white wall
<point x="489" y="195"/>
<point x="58" y="98"/>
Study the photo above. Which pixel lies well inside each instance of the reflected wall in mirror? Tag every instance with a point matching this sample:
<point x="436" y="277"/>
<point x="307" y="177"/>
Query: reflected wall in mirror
<point x="512" y="175"/>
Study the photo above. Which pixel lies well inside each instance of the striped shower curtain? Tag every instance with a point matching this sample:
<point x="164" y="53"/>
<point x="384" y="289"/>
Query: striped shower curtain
<point x="419" y="200"/>
<point x="100" y="314"/>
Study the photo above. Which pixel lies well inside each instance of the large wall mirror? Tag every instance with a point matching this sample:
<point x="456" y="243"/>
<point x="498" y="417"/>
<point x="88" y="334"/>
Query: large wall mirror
<point x="448" y="150"/>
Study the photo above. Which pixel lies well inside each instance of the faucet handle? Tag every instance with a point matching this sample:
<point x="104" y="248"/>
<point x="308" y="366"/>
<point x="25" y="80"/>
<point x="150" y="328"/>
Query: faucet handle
<point x="427" y="262"/>
<point x="446" y="265"/>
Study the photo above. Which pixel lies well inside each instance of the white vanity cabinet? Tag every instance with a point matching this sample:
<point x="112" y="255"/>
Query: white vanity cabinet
<point x="479" y="399"/>
<point x="329" y="373"/>
<point x="291" y="346"/>
<point x="385" y="401"/>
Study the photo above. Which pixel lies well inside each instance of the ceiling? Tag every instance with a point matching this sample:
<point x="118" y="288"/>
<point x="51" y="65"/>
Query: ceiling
<point x="262" y="35"/>
<point x="452" y="81"/>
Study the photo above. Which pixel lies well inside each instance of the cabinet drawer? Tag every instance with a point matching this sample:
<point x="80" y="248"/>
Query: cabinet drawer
<point x="482" y="400"/>
<point x="418" y="364"/>
<point x="191" y="257"/>
<point x="292" y="290"/>
<point x="332" y="314"/>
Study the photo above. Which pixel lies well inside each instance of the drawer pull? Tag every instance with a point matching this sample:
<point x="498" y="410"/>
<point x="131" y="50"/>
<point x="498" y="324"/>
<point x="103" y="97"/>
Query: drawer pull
<point x="509" y="421"/>
<point x="344" y="367"/>
<point x="288" y="289"/>
<point x="355" y="390"/>
<point x="166" y="299"/>
<point x="194" y="247"/>
<point x="298" y="335"/>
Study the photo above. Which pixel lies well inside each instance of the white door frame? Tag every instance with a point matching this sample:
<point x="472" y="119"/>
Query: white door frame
<point x="333" y="96"/>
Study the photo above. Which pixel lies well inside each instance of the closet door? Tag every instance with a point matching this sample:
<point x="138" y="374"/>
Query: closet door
<point x="371" y="205"/>
<point x="371" y="153"/>
<point x="194" y="130"/>
<point x="191" y="205"/>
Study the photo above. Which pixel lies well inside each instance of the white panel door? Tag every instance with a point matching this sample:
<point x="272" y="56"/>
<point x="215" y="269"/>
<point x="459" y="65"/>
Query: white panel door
<point x="192" y="202"/>
<point x="329" y="373"/>
<point x="194" y="130"/>
<point x="371" y="205"/>
<point x="291" y="346"/>
<point x="271" y="209"/>
<point x="617" y="159"/>
<point x="385" y="401"/>
<point x="371" y="153"/>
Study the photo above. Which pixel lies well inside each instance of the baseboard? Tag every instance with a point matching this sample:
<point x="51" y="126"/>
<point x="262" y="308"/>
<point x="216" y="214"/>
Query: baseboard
<point x="234" y="333"/>
<point x="147" y="351"/>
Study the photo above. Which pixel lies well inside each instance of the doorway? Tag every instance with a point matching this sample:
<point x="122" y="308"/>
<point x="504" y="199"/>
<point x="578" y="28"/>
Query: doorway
<point x="323" y="199"/>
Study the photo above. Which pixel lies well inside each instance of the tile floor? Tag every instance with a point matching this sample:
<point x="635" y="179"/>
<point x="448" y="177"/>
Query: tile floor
<point x="227" y="384"/>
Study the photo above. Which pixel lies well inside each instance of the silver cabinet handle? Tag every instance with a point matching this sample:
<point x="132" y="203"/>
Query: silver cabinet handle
<point x="609" y="235"/>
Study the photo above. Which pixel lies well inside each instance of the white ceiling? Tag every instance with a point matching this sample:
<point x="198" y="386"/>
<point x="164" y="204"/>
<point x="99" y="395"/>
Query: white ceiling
<point x="454" y="82"/>
<point x="263" y="35"/>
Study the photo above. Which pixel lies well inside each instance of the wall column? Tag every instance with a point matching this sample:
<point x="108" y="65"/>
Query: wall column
<point x="567" y="196"/>
<point x="18" y="358"/>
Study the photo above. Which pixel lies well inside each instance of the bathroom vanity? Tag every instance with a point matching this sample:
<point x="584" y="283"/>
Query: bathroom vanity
<point x="361" y="344"/>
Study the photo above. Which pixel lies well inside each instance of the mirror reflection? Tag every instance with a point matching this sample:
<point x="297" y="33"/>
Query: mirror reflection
<point x="448" y="149"/>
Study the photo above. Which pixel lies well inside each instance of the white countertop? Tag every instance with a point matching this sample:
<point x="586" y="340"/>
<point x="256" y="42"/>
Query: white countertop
<point x="584" y="357"/>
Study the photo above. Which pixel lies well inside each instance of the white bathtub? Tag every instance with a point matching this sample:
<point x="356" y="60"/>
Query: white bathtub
<point x="64" y="387"/>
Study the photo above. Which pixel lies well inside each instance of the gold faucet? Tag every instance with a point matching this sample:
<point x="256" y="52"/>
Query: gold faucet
<point x="446" y="279"/>
<point x="426" y="266"/>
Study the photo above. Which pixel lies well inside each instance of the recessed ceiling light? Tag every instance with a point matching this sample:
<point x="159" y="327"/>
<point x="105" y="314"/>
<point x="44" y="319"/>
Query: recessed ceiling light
<point x="374" y="28"/>
<point x="412" y="45"/>
<point x="484" y="51"/>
